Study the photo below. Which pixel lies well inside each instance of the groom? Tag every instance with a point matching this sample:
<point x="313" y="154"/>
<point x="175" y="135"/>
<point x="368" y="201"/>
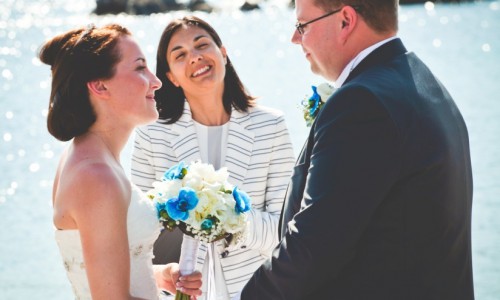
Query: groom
<point x="379" y="204"/>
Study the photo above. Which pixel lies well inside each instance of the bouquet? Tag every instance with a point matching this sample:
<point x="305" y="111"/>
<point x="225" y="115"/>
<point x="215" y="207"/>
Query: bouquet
<point x="201" y="202"/>
<point x="313" y="104"/>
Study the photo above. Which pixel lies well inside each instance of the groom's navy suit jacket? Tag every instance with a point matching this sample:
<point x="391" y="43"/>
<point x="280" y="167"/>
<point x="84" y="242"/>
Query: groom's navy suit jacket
<point x="379" y="203"/>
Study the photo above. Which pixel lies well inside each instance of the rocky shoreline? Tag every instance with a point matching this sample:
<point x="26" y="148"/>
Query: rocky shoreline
<point x="146" y="7"/>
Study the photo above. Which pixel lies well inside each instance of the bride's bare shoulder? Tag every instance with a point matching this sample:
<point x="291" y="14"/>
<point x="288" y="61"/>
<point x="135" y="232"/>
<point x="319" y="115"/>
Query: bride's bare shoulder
<point x="88" y="182"/>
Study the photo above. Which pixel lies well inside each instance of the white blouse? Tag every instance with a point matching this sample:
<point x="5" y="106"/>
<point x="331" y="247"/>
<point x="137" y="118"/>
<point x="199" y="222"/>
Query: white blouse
<point x="212" y="142"/>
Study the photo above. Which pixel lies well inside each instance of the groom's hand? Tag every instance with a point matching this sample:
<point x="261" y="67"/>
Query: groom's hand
<point x="168" y="278"/>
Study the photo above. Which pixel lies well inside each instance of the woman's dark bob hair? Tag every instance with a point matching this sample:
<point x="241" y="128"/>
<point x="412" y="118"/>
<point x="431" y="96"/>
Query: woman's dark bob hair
<point x="76" y="58"/>
<point x="170" y="99"/>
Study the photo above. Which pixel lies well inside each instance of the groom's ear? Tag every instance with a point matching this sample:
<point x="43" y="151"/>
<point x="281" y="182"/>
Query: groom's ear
<point x="98" y="88"/>
<point x="348" y="21"/>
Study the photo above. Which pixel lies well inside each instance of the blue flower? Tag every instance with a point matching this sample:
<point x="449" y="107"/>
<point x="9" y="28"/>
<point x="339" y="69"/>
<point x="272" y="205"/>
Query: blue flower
<point x="207" y="224"/>
<point x="161" y="209"/>
<point x="314" y="102"/>
<point x="178" y="208"/>
<point x="242" y="201"/>
<point x="312" y="105"/>
<point x="176" y="172"/>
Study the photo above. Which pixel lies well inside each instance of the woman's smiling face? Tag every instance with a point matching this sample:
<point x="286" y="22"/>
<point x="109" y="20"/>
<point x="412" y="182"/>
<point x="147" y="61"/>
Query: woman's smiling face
<point x="195" y="61"/>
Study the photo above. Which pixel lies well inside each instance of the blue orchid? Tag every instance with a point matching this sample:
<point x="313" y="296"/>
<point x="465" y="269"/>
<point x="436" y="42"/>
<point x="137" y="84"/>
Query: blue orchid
<point x="242" y="200"/>
<point x="176" y="172"/>
<point x="178" y="208"/>
<point x="161" y="209"/>
<point x="312" y="105"/>
<point x="207" y="224"/>
<point x="314" y="102"/>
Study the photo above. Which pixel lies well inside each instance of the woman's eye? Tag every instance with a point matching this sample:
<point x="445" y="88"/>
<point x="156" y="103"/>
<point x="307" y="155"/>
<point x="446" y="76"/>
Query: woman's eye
<point x="179" y="56"/>
<point x="141" y="68"/>
<point x="202" y="46"/>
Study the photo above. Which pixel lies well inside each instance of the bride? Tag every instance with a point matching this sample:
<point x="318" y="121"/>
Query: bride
<point x="101" y="89"/>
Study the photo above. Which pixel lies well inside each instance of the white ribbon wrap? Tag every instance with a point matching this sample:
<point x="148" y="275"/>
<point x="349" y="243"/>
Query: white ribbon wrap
<point x="189" y="252"/>
<point x="187" y="264"/>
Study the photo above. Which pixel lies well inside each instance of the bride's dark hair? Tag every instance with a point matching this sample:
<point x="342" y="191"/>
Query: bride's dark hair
<point x="76" y="58"/>
<point x="170" y="99"/>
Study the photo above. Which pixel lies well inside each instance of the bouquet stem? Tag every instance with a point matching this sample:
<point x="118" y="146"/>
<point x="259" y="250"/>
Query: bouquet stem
<point x="187" y="261"/>
<point x="182" y="296"/>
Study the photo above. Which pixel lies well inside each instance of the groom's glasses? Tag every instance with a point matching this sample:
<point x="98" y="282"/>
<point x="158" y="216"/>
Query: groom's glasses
<point x="300" y="26"/>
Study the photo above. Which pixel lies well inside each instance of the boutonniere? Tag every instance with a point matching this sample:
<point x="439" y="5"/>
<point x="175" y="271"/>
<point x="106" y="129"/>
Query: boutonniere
<point x="312" y="105"/>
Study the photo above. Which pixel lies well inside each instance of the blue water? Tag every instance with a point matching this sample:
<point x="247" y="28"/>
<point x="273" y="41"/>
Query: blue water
<point x="461" y="44"/>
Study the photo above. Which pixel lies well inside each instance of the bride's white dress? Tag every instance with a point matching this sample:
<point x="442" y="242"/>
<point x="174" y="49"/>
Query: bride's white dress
<point x="143" y="229"/>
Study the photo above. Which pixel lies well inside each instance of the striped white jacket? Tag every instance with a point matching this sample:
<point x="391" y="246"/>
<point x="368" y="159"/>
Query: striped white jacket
<point x="259" y="158"/>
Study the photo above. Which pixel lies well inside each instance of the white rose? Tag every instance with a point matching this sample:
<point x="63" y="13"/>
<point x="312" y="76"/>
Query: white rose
<point x="325" y="90"/>
<point x="168" y="189"/>
<point x="235" y="222"/>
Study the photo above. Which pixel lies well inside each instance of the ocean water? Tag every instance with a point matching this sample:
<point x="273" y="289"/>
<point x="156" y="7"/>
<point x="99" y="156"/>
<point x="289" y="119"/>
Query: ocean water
<point x="460" y="43"/>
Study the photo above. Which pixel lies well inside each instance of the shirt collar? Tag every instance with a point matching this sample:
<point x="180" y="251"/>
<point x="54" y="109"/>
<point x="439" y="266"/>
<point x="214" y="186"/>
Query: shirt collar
<point x="355" y="61"/>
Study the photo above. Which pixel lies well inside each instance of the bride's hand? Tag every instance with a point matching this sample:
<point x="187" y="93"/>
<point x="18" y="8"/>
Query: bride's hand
<point x="168" y="278"/>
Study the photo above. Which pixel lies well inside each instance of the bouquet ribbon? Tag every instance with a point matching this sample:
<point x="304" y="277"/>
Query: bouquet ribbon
<point x="187" y="265"/>
<point x="211" y="275"/>
<point x="187" y="260"/>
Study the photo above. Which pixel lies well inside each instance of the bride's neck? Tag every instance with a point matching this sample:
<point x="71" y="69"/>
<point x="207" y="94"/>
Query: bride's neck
<point x="113" y="142"/>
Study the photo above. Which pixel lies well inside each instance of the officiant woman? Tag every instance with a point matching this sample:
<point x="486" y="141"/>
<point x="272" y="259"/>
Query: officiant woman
<point x="205" y="113"/>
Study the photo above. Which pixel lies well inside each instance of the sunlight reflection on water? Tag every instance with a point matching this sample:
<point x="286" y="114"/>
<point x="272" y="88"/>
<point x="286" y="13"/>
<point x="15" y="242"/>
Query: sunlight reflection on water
<point x="459" y="42"/>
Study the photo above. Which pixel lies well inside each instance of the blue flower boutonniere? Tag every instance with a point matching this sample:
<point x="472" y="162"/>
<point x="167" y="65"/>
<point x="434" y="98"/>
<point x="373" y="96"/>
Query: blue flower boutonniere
<point x="313" y="104"/>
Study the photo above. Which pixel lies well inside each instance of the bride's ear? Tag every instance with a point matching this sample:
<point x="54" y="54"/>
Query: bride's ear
<point x="98" y="88"/>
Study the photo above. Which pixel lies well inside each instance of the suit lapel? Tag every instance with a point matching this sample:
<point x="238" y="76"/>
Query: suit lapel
<point x="185" y="145"/>
<point x="295" y="188"/>
<point x="240" y="142"/>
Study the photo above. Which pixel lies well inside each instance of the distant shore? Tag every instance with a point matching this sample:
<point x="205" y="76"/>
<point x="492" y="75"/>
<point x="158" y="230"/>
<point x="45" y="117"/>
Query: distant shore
<point x="146" y="7"/>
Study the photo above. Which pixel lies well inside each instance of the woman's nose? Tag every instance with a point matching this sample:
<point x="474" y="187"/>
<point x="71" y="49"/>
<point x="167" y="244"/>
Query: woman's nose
<point x="195" y="56"/>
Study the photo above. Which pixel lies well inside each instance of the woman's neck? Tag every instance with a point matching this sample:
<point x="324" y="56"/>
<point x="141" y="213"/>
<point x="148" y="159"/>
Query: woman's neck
<point x="208" y="109"/>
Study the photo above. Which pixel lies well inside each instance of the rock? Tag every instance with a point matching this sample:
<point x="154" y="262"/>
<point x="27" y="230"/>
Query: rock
<point x="110" y="6"/>
<point x="146" y="7"/>
<point x="247" y="6"/>
<point x="200" y="5"/>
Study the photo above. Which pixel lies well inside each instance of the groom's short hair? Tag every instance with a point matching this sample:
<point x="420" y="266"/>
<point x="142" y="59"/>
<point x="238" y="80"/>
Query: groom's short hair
<point x="380" y="15"/>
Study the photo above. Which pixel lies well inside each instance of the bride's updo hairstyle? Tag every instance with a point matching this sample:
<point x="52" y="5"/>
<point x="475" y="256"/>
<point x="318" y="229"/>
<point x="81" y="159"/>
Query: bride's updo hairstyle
<point x="76" y="58"/>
